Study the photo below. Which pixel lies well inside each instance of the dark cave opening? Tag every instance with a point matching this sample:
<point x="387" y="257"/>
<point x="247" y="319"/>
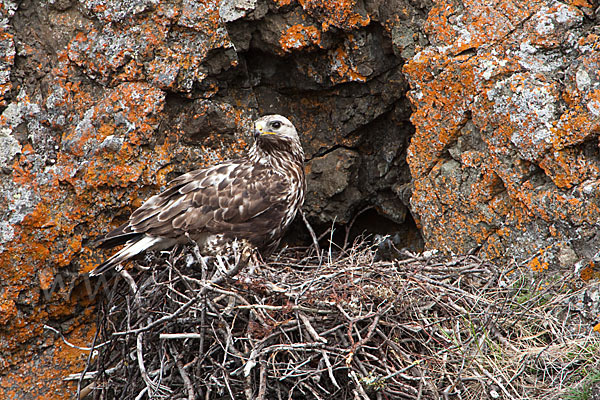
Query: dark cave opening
<point x="367" y="226"/>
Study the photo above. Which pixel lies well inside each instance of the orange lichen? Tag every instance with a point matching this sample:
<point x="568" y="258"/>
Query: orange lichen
<point x="81" y="37"/>
<point x="537" y="265"/>
<point x="579" y="3"/>
<point x="344" y="69"/>
<point x="511" y="113"/>
<point x="8" y="308"/>
<point x="51" y="368"/>
<point x="298" y="37"/>
<point x="341" y="13"/>
<point x="588" y="273"/>
<point x="44" y="240"/>
<point x="148" y="51"/>
<point x="568" y="167"/>
<point x="46" y="277"/>
<point x="482" y="23"/>
<point x="66" y="256"/>
<point x="450" y="94"/>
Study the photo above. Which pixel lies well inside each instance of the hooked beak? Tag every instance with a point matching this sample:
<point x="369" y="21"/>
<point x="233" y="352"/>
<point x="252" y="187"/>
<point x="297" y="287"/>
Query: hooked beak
<point x="258" y="129"/>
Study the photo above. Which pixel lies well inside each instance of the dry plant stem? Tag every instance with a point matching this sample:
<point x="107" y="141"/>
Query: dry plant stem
<point x="248" y="388"/>
<point x="81" y="393"/>
<point x="166" y="336"/>
<point x="351" y="224"/>
<point x="130" y="281"/>
<point x="84" y="392"/>
<point x="186" y="379"/>
<point x="497" y="382"/>
<point x="262" y="389"/>
<point x="330" y="369"/>
<point x="313" y="333"/>
<point x="65" y="341"/>
<point x="358" y="385"/>
<point x="142" y="393"/>
<point x="151" y="386"/>
<point x="313" y="236"/>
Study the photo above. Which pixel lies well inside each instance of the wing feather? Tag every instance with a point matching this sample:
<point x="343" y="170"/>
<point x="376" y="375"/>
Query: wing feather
<point x="237" y="198"/>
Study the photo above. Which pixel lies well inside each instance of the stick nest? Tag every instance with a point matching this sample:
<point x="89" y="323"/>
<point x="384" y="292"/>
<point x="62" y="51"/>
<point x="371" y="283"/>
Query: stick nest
<point x="343" y="326"/>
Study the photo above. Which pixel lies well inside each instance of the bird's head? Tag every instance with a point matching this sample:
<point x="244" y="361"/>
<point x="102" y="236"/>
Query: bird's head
<point x="277" y="133"/>
<point x="275" y="126"/>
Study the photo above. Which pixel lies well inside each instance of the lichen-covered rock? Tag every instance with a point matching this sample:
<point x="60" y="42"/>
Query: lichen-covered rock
<point x="102" y="103"/>
<point x="7" y="47"/>
<point x="505" y="155"/>
<point x="166" y="48"/>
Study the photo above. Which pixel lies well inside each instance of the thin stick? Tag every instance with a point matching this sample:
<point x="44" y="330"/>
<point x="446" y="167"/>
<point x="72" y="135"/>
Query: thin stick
<point x="262" y="388"/>
<point x="358" y="386"/>
<point x="329" y="369"/>
<point x="312" y="332"/>
<point x="313" y="236"/>
<point x="184" y="376"/>
<point x="171" y="336"/>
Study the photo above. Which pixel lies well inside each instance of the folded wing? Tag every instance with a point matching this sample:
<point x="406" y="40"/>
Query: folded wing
<point x="235" y="199"/>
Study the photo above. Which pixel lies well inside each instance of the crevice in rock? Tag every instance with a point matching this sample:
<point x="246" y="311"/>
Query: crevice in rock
<point x="403" y="236"/>
<point x="329" y="150"/>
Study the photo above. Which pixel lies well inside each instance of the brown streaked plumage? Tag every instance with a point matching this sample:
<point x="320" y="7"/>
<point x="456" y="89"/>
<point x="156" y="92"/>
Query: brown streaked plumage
<point x="254" y="198"/>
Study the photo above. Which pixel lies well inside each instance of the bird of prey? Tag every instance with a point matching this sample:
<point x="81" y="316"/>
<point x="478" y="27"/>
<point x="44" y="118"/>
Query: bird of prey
<point x="254" y="198"/>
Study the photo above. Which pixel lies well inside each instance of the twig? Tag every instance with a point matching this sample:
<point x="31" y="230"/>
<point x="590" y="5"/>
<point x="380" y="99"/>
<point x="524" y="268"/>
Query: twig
<point x="349" y="226"/>
<point x="358" y="386"/>
<point x="329" y="369"/>
<point x="262" y="388"/>
<point x="184" y="376"/>
<point x="313" y="236"/>
<point x="497" y="382"/>
<point x="65" y="341"/>
<point x="313" y="333"/>
<point x="140" y="358"/>
<point x="176" y="336"/>
<point x="130" y="281"/>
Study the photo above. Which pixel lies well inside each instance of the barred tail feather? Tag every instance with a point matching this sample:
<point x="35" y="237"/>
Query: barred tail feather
<point x="130" y="250"/>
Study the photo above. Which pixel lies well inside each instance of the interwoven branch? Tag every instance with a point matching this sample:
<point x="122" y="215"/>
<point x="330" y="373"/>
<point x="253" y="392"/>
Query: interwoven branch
<point x="348" y="328"/>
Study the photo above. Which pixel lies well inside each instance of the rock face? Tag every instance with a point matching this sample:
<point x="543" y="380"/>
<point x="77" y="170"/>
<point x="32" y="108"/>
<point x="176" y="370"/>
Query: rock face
<point x="103" y="102"/>
<point x="505" y="158"/>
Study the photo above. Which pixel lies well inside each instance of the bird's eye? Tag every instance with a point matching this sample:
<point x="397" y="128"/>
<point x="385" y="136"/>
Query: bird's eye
<point x="276" y="124"/>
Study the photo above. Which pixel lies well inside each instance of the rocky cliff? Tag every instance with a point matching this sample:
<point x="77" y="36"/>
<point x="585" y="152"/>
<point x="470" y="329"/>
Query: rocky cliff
<point x="472" y="124"/>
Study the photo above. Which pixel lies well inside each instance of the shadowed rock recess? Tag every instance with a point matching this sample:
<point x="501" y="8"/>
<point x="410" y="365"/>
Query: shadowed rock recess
<point x="470" y="125"/>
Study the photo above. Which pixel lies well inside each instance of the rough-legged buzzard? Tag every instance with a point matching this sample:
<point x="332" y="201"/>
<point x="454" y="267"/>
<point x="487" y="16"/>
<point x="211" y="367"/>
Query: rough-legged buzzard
<point x="254" y="198"/>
